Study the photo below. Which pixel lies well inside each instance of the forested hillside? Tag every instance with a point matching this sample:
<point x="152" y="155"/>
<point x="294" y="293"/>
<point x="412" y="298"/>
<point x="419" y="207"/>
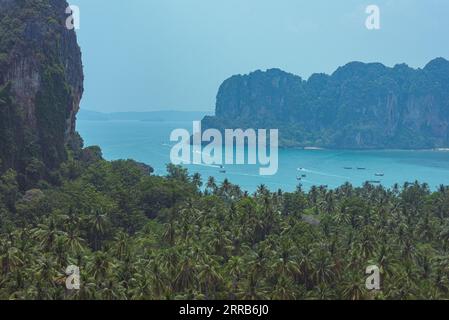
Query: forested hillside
<point x="137" y="236"/>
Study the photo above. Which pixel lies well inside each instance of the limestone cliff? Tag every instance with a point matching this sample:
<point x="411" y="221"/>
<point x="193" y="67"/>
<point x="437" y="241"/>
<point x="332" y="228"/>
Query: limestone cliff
<point x="358" y="106"/>
<point x="41" y="85"/>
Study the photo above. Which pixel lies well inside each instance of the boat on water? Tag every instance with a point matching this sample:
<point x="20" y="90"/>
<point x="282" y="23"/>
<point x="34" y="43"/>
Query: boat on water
<point x="361" y="168"/>
<point x="348" y="168"/>
<point x="379" y="174"/>
<point x="375" y="181"/>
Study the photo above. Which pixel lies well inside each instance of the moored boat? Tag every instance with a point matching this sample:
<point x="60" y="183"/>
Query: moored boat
<point x="379" y="174"/>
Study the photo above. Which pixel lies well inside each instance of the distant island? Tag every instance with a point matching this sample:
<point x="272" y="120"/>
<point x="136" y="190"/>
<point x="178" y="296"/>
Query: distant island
<point x="359" y="106"/>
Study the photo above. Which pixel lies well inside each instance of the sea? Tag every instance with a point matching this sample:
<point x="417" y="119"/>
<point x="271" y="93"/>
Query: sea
<point x="149" y="142"/>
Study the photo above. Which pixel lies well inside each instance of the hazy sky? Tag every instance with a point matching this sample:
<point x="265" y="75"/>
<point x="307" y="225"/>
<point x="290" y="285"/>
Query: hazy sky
<point x="173" y="54"/>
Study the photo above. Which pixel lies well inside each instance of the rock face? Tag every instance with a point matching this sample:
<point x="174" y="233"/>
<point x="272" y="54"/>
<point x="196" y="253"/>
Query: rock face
<point x="358" y="106"/>
<point x="41" y="84"/>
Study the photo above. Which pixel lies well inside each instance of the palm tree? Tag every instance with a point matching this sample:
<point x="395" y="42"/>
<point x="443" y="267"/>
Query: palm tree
<point x="286" y="263"/>
<point x="328" y="204"/>
<point x="209" y="278"/>
<point x="353" y="287"/>
<point x="98" y="222"/>
<point x="235" y="270"/>
<point x="187" y="275"/>
<point x="211" y="185"/>
<point x="262" y="190"/>
<point x="225" y="187"/>
<point x="252" y="289"/>
<point x="73" y="241"/>
<point x="10" y="257"/>
<point x="219" y="240"/>
<point x="47" y="233"/>
<point x="284" y="289"/>
<point x="313" y="197"/>
<point x="305" y="265"/>
<point x="169" y="235"/>
<point x="323" y="268"/>
<point x="196" y="180"/>
<point x="99" y="266"/>
<point x="122" y="246"/>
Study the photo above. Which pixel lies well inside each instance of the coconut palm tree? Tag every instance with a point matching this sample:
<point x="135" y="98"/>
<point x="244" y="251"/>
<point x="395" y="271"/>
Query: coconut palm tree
<point x="211" y="185"/>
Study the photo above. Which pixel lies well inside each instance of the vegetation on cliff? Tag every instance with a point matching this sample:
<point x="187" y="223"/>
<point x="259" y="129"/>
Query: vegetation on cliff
<point x="40" y="87"/>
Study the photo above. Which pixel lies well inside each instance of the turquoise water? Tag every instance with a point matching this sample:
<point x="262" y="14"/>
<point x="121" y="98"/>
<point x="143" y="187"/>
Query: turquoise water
<point x="149" y="142"/>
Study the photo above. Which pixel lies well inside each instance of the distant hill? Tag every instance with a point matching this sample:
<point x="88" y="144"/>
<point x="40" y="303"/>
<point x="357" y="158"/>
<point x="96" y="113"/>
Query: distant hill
<point x="88" y="115"/>
<point x="359" y="106"/>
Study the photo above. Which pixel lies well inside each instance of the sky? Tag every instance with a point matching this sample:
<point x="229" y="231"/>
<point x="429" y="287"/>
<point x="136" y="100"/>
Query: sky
<point x="145" y="55"/>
